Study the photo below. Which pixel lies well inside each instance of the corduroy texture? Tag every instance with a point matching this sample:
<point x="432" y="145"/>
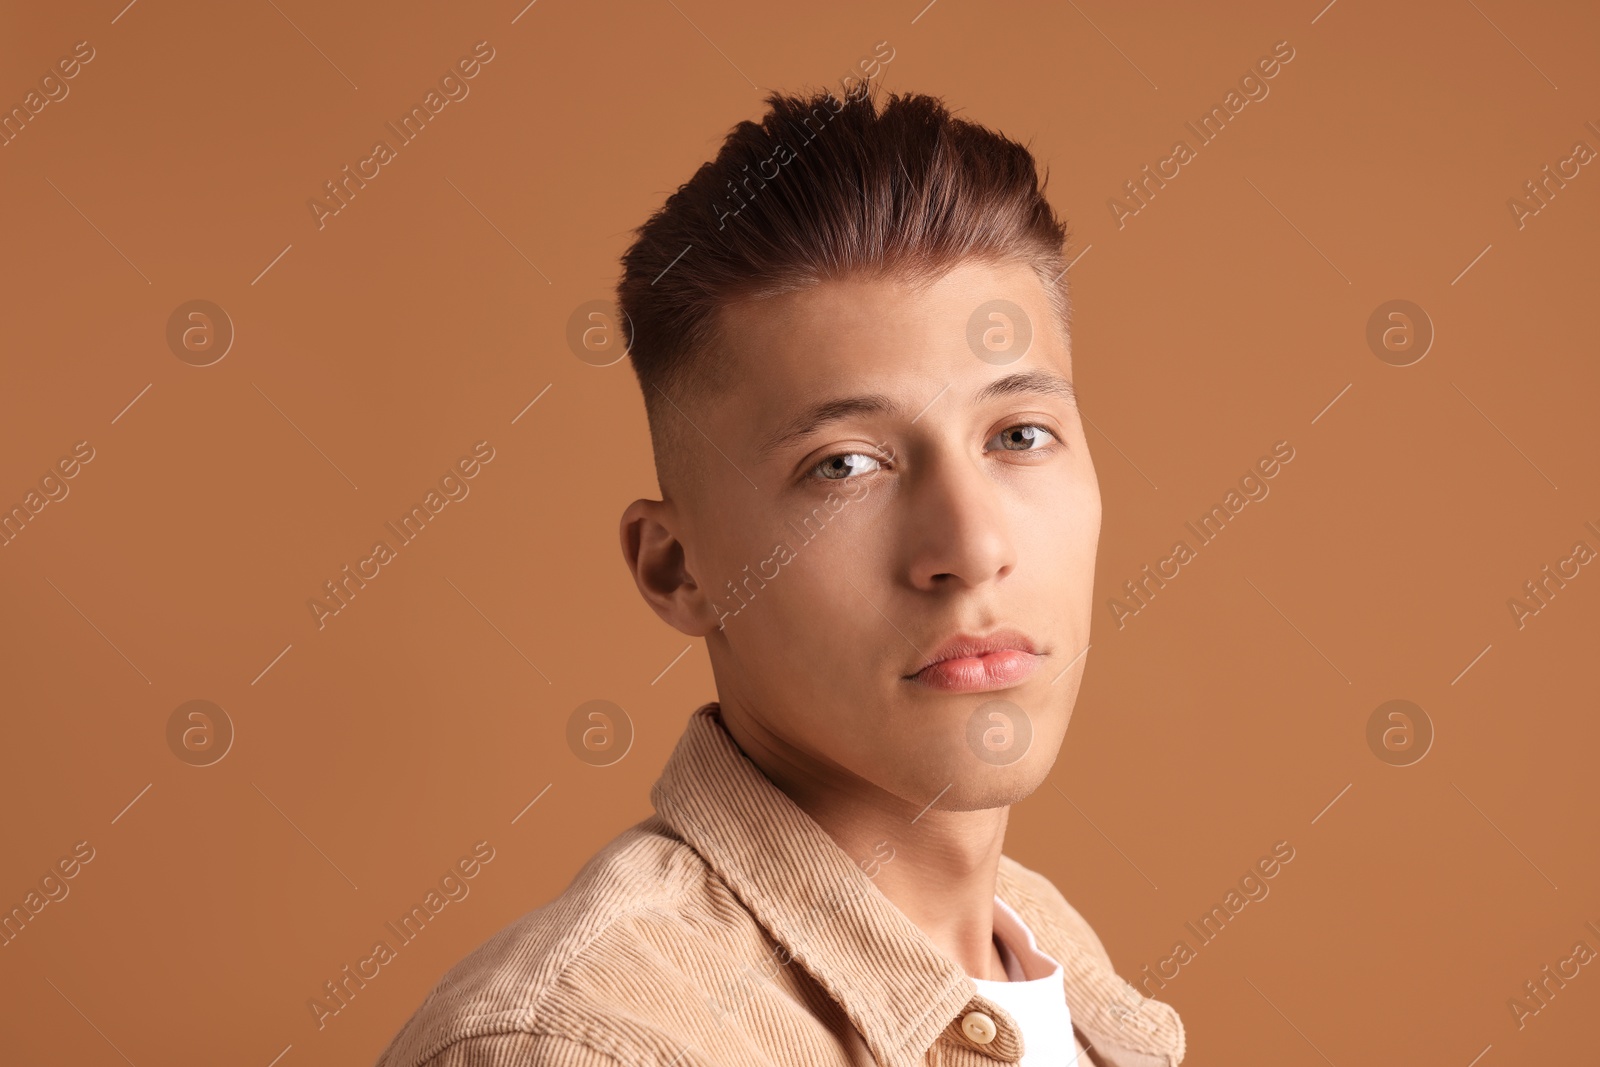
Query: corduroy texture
<point x="729" y="929"/>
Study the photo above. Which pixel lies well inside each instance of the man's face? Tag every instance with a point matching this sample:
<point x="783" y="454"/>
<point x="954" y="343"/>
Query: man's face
<point x="859" y="548"/>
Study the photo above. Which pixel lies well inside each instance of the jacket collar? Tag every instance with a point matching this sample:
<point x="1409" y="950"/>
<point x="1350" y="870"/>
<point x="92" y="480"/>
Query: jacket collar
<point x="898" y="989"/>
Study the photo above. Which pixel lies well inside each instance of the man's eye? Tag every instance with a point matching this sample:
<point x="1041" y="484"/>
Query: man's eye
<point x="844" y="465"/>
<point x="1025" y="438"/>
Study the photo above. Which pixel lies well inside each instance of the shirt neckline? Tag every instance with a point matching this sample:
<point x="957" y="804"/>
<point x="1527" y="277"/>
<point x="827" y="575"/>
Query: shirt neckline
<point x="1020" y="952"/>
<point x="828" y="916"/>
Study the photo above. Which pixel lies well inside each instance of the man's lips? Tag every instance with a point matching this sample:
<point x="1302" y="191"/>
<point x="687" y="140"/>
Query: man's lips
<point x="978" y="674"/>
<point x="972" y="664"/>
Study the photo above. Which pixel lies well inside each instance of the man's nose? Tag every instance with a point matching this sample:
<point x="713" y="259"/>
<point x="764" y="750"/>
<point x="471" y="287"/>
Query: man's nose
<point x="959" y="526"/>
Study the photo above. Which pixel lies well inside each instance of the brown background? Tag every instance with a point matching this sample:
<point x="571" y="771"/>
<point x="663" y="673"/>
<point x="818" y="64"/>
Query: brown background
<point x="1225" y="316"/>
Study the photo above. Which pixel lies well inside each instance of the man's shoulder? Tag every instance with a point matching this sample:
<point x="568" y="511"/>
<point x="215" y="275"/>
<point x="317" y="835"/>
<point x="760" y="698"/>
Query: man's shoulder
<point x="543" y="989"/>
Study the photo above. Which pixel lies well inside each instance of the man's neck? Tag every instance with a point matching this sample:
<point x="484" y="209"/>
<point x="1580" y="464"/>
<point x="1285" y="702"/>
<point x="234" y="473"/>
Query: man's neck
<point x="945" y="863"/>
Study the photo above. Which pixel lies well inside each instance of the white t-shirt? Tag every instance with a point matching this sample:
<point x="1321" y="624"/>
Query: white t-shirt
<point x="1036" y="995"/>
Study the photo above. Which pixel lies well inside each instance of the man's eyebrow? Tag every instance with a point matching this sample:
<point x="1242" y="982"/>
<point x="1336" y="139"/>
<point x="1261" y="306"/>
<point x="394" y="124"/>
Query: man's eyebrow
<point x="818" y="416"/>
<point x="1030" y="383"/>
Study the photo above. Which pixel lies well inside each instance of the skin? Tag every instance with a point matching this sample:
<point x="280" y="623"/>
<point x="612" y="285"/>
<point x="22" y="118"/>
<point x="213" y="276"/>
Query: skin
<point x="942" y="530"/>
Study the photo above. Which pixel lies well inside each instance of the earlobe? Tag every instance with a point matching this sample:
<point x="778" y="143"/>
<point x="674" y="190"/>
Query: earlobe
<point x="655" y="558"/>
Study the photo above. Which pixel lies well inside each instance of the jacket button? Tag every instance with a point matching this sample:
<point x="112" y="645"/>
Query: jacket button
<point x="978" y="1026"/>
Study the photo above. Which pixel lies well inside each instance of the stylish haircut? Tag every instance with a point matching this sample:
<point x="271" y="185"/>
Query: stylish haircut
<point x="821" y="188"/>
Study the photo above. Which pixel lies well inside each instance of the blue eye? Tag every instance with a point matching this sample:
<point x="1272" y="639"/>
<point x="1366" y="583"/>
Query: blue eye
<point x="1028" y="437"/>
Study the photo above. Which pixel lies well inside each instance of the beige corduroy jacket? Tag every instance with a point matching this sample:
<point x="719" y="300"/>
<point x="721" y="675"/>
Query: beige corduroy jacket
<point x="730" y="929"/>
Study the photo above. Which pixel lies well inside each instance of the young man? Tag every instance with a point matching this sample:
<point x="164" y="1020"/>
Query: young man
<point x="879" y="510"/>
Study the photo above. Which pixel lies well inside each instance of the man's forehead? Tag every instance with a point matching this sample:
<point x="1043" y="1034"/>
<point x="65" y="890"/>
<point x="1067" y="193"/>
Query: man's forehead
<point x="863" y="344"/>
<point x="870" y="303"/>
<point x="860" y="328"/>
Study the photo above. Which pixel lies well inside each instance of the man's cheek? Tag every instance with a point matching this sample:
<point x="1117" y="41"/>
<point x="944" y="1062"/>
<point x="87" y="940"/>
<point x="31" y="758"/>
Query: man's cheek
<point x="769" y="567"/>
<point x="852" y="489"/>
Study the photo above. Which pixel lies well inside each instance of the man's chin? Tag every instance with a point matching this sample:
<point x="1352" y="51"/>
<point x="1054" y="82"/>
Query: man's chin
<point x="978" y="789"/>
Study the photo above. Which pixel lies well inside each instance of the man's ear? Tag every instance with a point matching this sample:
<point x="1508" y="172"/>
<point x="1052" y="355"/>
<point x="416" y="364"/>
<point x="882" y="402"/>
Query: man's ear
<point x="655" y="558"/>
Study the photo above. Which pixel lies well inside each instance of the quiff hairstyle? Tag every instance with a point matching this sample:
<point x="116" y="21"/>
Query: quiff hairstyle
<point x="821" y="188"/>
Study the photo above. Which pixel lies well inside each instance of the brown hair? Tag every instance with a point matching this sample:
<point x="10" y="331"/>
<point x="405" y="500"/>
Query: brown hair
<point x="820" y="188"/>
